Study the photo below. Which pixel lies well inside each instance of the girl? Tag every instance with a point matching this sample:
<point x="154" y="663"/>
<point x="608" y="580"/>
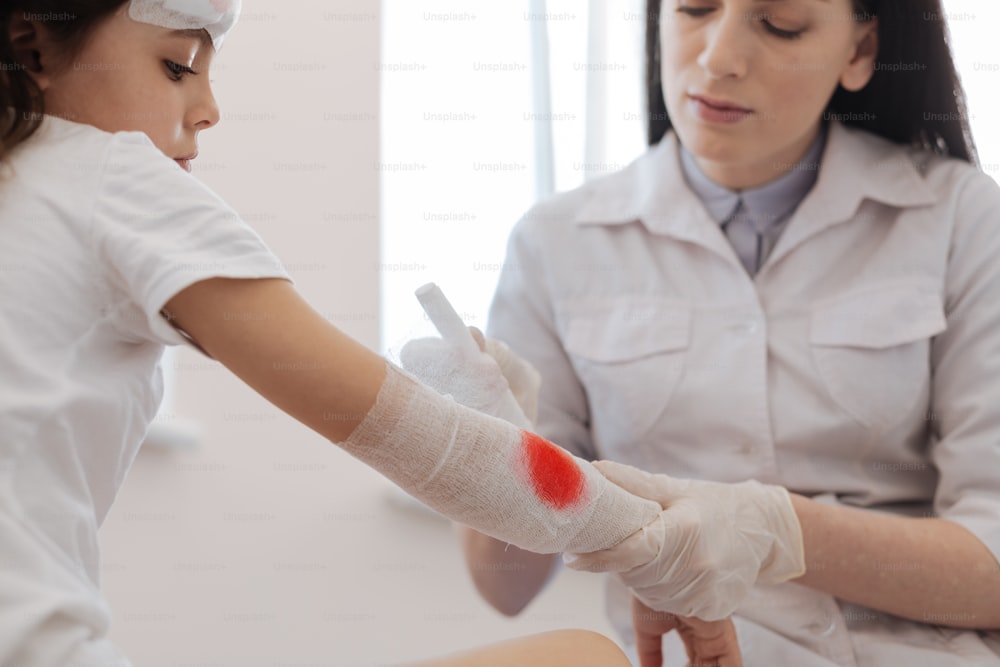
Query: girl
<point x="112" y="250"/>
<point x="805" y="296"/>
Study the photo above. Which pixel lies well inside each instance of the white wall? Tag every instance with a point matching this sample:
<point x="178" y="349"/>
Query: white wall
<point x="267" y="546"/>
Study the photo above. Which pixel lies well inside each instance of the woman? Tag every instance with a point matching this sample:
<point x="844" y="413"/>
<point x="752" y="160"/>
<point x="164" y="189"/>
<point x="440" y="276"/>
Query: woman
<point x="798" y="286"/>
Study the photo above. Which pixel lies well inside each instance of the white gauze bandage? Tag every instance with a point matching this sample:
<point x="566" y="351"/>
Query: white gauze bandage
<point x="215" y="16"/>
<point x="490" y="475"/>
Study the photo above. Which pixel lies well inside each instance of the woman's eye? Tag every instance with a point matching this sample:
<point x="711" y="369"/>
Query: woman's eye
<point x="778" y="32"/>
<point x="764" y="19"/>
<point x="176" y="70"/>
<point x="693" y="11"/>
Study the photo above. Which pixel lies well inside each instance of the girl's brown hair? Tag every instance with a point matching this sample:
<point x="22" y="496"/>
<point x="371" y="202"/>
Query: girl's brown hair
<point x="68" y="24"/>
<point x="923" y="106"/>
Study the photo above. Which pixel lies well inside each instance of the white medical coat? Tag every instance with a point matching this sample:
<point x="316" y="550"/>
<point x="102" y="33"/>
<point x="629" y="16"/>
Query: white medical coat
<point x="861" y="366"/>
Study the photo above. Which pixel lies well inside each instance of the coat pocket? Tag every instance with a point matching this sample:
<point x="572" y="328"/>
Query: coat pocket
<point x="872" y="349"/>
<point x="630" y="356"/>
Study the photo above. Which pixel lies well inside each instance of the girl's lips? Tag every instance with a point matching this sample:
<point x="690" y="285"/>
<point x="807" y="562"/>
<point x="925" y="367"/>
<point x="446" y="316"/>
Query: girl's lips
<point x="185" y="162"/>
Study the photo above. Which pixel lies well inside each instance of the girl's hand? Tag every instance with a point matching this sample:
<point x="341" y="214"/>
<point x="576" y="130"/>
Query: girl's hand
<point x="708" y="643"/>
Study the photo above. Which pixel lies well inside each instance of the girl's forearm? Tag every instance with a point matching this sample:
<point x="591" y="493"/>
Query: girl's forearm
<point x="925" y="569"/>
<point x="478" y="470"/>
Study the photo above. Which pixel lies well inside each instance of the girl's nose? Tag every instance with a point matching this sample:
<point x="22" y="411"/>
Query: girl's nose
<point x="204" y="112"/>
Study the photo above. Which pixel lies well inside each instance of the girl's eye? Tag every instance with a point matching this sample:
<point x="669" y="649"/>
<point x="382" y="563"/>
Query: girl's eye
<point x="176" y="70"/>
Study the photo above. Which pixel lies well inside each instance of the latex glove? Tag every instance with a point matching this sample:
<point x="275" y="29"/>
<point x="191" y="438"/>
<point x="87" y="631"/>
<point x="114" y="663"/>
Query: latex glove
<point x="523" y="378"/>
<point x="711" y="543"/>
<point x="480" y="383"/>
<point x="706" y="642"/>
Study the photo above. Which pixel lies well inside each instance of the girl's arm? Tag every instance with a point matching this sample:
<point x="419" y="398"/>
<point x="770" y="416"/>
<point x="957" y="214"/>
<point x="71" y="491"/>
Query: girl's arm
<point x="475" y="469"/>
<point x="287" y="351"/>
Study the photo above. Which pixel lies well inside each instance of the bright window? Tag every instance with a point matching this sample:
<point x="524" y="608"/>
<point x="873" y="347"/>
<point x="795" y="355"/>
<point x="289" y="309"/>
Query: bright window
<point x="459" y="124"/>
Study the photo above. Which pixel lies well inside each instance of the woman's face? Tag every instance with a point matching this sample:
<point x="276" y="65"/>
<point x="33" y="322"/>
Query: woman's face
<point x="746" y="82"/>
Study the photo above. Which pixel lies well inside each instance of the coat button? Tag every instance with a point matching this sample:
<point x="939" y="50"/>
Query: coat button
<point x="822" y="625"/>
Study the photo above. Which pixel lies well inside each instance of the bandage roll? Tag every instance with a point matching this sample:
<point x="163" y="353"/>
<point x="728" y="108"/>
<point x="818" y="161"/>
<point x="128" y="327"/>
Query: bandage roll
<point x="448" y="322"/>
<point x="452" y="329"/>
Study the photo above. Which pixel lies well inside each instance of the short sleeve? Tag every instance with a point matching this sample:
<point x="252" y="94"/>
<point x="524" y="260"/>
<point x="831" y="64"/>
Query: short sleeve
<point x="522" y="315"/>
<point x="966" y="363"/>
<point x="157" y="230"/>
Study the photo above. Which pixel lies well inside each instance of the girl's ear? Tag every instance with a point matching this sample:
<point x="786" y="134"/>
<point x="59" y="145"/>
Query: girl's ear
<point x="32" y="48"/>
<point x="860" y="69"/>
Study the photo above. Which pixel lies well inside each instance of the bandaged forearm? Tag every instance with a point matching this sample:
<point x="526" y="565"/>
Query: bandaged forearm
<point x="490" y="475"/>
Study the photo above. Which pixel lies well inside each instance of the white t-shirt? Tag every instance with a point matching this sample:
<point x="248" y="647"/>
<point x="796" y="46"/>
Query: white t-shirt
<point x="97" y="232"/>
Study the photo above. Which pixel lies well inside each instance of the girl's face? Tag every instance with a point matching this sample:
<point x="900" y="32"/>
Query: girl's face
<point x="746" y="82"/>
<point x="134" y="76"/>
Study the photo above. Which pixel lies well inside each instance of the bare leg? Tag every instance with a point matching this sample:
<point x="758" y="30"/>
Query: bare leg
<point x="561" y="648"/>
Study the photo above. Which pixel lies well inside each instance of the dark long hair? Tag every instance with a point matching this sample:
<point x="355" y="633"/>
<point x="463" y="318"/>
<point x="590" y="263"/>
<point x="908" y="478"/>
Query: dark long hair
<point x="69" y="23"/>
<point x="923" y="106"/>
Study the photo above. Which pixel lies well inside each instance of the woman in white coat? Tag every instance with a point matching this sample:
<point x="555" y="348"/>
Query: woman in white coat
<point x="796" y="284"/>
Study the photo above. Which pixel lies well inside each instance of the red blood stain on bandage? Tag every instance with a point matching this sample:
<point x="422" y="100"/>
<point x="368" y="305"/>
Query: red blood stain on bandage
<point x="555" y="477"/>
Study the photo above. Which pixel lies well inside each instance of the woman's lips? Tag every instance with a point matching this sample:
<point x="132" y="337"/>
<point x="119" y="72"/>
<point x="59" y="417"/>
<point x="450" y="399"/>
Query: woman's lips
<point x="718" y="111"/>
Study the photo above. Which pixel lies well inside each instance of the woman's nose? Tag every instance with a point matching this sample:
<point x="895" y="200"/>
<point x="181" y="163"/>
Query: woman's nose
<point x="724" y="53"/>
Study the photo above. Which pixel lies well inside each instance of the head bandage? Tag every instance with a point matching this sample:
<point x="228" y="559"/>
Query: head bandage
<point x="215" y="16"/>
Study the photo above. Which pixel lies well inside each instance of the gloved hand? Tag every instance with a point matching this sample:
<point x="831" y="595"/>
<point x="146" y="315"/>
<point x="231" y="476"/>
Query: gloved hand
<point x="480" y="383"/>
<point x="711" y="543"/>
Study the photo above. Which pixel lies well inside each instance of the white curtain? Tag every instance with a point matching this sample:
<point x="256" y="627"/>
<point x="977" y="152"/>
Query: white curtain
<point x="487" y="108"/>
<point x="588" y="67"/>
<point x="971" y="24"/>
